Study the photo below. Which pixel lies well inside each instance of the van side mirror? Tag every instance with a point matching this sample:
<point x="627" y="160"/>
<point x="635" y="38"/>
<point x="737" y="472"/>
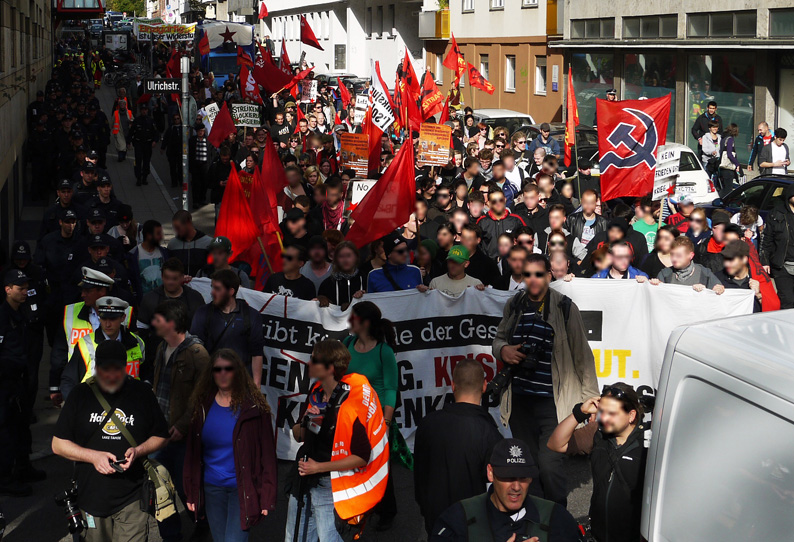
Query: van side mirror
<point x="717" y="202"/>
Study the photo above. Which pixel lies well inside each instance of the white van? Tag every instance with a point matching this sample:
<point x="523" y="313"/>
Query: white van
<point x="721" y="460"/>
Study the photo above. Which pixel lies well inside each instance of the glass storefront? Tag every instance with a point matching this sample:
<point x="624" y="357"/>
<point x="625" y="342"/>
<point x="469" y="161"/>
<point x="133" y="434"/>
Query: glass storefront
<point x="729" y="80"/>
<point x="651" y="76"/>
<point x="593" y="75"/>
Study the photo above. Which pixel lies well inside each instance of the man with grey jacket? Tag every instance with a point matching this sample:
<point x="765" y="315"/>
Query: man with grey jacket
<point x="542" y="337"/>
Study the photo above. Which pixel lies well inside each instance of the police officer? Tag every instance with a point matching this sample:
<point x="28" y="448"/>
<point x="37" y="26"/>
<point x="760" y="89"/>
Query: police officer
<point x="79" y="319"/>
<point x="506" y="512"/>
<point x="85" y="188"/>
<point x="52" y="215"/>
<point x="144" y="136"/>
<point x="106" y="201"/>
<point x="15" y="439"/>
<point x="112" y="313"/>
<point x="99" y="249"/>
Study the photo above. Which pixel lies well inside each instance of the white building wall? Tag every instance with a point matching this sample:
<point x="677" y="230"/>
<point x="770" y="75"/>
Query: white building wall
<point x="517" y="19"/>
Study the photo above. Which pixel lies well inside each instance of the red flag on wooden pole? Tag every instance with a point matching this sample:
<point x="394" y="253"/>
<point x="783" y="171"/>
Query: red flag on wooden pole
<point x="307" y="35"/>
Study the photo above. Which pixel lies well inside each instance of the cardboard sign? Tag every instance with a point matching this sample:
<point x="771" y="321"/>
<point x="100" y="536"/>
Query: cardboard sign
<point x="667" y="166"/>
<point x="246" y="115"/>
<point x="362" y="103"/>
<point x="355" y="152"/>
<point x="434" y="144"/>
<point x="356" y="192"/>
<point x="308" y="91"/>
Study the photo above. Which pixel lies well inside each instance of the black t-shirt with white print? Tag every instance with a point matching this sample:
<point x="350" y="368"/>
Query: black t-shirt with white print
<point x="136" y="406"/>
<point x="301" y="287"/>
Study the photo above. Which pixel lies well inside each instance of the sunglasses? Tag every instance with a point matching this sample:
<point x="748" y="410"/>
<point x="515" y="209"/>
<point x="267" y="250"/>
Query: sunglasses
<point x="497" y="200"/>
<point x="223" y="369"/>
<point x="485" y="192"/>
<point x="534" y="274"/>
<point x="556" y="243"/>
<point x="500" y="146"/>
<point x="445" y="196"/>
<point x="617" y="393"/>
<point x="400" y="250"/>
<point x="527" y="243"/>
<point x="288" y="257"/>
<point x="522" y="142"/>
<point x="696" y="220"/>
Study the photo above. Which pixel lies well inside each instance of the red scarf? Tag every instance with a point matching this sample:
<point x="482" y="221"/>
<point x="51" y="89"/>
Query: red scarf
<point x="769" y="298"/>
<point x="714" y="247"/>
<point x="332" y="217"/>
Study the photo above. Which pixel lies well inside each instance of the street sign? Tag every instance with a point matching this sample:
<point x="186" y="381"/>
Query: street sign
<point x="162" y="86"/>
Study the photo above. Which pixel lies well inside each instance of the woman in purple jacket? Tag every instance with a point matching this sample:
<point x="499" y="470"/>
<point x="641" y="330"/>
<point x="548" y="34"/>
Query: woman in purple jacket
<point x="729" y="175"/>
<point x="230" y="466"/>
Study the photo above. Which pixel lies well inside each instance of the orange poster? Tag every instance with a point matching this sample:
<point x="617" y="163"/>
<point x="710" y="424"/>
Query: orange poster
<point x="434" y="142"/>
<point x="355" y="152"/>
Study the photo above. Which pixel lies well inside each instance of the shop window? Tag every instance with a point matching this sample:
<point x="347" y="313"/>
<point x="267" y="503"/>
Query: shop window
<point x="593" y="75"/>
<point x="651" y="76"/>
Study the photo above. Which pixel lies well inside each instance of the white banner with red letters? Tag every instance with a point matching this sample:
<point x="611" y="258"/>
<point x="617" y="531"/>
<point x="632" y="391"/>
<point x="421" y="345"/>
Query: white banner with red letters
<point x="628" y="325"/>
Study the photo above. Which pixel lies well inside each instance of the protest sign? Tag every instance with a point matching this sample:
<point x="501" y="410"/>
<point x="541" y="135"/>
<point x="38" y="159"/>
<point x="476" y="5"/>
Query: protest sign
<point x="308" y="91"/>
<point x="208" y="114"/>
<point x="167" y="32"/>
<point x="434" y="142"/>
<point x="246" y="115"/>
<point x="362" y="103"/>
<point x="627" y="323"/>
<point x="667" y="166"/>
<point x="355" y="152"/>
<point x="356" y="192"/>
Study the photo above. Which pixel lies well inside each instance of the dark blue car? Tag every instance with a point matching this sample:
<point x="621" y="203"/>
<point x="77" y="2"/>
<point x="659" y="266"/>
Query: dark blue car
<point x="761" y="192"/>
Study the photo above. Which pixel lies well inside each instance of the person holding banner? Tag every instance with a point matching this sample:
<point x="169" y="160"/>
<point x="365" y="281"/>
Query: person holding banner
<point x="685" y="271"/>
<point x="549" y="367"/>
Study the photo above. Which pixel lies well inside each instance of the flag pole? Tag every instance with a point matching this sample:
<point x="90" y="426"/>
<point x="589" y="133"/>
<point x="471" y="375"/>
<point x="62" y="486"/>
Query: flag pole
<point x="264" y="252"/>
<point x="575" y="144"/>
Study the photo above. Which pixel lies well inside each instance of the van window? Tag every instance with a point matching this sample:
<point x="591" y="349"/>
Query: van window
<point x="722" y="477"/>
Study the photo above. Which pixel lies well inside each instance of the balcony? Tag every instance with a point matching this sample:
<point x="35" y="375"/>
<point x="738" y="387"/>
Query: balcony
<point x="434" y="25"/>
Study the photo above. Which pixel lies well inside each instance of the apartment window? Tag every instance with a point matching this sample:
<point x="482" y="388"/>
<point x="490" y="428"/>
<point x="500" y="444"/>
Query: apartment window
<point x="781" y="22"/>
<point x="390" y="24"/>
<point x="529" y="3"/>
<point x="540" y="75"/>
<point x="439" y="69"/>
<point x="510" y="73"/>
<point x="593" y="28"/>
<point x="468" y="6"/>
<point x="340" y="57"/>
<point x="368" y="23"/>
<point x="378" y="22"/>
<point x="484" y="66"/>
<point x="650" y="27"/>
<point x="497" y="4"/>
<point x="737" y="24"/>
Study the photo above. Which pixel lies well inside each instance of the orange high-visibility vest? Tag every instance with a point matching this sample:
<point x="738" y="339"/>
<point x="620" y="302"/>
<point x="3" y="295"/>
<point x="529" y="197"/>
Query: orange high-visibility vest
<point x="116" y="122"/>
<point x="358" y="491"/>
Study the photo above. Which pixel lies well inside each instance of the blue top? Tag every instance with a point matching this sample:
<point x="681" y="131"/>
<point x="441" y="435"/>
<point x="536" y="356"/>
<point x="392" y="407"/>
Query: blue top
<point x="631" y="273"/>
<point x="407" y="277"/>
<point x="217" y="438"/>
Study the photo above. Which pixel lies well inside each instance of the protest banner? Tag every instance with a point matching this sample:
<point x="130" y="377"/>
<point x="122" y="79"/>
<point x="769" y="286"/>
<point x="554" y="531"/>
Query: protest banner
<point x="362" y="103"/>
<point x="308" y="91"/>
<point x="667" y="166"/>
<point x="434" y="142"/>
<point x="355" y="152"/>
<point x="167" y="32"/>
<point x="246" y="115"/>
<point x="628" y="325"/>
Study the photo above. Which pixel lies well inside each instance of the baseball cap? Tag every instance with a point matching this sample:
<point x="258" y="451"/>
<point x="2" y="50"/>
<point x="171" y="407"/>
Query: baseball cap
<point x="222" y="243"/>
<point x="294" y="215"/>
<point x="111" y="307"/>
<point x="289" y="104"/>
<point x="685" y="200"/>
<point x="735" y="249"/>
<point x="99" y="240"/>
<point x="391" y="241"/>
<point x="20" y="250"/>
<point x="720" y="217"/>
<point x="110" y="354"/>
<point x="511" y="459"/>
<point x="64" y="184"/>
<point x="93" y="155"/>
<point x="459" y="254"/>
<point x="15" y="277"/>
<point x="545" y="127"/>
<point x="39" y="93"/>
<point x="89" y="166"/>
<point x="103" y="266"/>
<point x="124" y="213"/>
<point x="104" y="180"/>
<point x="67" y="214"/>
<point x="96" y="215"/>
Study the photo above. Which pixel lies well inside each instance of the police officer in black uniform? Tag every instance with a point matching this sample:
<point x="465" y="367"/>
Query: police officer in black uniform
<point x="144" y="136"/>
<point x="15" y="440"/>
<point x="52" y="216"/>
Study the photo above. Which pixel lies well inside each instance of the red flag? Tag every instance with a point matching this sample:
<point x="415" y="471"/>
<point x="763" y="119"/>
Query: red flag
<point x="374" y="133"/>
<point x="445" y="111"/>
<point x="454" y="60"/>
<point x="298" y="117"/>
<point x="284" y="62"/>
<point x="769" y="298"/>
<point x="267" y="74"/>
<point x="389" y="203"/>
<point x="307" y="36"/>
<point x="222" y="126"/>
<point x="337" y="119"/>
<point x="478" y="81"/>
<point x="262" y="11"/>
<point x="265" y="211"/>
<point x="243" y="59"/>
<point x="204" y="44"/>
<point x="248" y="87"/>
<point x="174" y="67"/>
<point x="409" y="75"/>
<point x="629" y="133"/>
<point x="298" y="77"/>
<point x="571" y="118"/>
<point x="344" y="93"/>
<point x="432" y="99"/>
<point x="235" y="220"/>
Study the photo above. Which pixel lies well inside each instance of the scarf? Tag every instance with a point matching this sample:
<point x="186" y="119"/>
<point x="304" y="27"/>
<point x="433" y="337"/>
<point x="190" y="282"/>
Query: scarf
<point x="685" y="273"/>
<point x="332" y="218"/>
<point x="338" y="275"/>
<point x="714" y="247"/>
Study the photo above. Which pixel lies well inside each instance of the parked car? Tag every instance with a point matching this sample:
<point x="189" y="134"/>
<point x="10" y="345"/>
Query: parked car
<point x="586" y="138"/>
<point x="761" y="192"/>
<point x="330" y="78"/>
<point x="719" y="465"/>
<point x="502" y="117"/>
<point x="693" y="181"/>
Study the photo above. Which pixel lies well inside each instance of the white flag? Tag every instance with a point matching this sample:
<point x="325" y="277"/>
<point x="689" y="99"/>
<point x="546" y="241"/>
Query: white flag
<point x="382" y="115"/>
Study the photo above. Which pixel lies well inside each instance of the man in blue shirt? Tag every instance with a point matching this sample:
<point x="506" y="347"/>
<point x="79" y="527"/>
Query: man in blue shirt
<point x="395" y="274"/>
<point x="546" y="142"/>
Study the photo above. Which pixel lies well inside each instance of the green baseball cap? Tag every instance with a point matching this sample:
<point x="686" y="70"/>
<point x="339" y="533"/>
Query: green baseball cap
<point x="459" y="254"/>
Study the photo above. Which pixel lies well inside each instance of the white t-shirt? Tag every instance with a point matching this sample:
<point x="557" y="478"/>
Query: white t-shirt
<point x="778" y="153"/>
<point x="453" y="287"/>
<point x="735" y="219"/>
<point x="514" y="286"/>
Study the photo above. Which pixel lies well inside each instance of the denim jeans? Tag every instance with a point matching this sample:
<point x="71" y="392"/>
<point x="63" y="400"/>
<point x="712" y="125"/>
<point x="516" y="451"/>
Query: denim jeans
<point x="318" y="520"/>
<point x="222" y="505"/>
<point x="173" y="458"/>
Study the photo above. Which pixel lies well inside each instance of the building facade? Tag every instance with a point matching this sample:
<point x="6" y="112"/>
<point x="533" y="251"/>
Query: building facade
<point x="508" y="42"/>
<point x="25" y="66"/>
<point x="737" y="54"/>
<point x="351" y="33"/>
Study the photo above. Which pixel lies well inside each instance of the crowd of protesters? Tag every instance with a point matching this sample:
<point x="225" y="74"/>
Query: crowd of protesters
<point x="131" y="340"/>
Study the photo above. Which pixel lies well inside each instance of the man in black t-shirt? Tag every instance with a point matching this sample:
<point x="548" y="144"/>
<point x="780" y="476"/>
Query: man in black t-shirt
<point x="110" y="471"/>
<point x="290" y="282"/>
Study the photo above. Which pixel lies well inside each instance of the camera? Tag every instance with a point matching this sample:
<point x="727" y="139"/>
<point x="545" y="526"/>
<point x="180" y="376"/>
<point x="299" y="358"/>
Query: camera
<point x="74" y="517"/>
<point x="497" y="385"/>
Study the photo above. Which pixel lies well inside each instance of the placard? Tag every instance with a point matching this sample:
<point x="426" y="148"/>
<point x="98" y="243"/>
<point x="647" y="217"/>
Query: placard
<point x="667" y="166"/>
<point x="308" y="91"/>
<point x="167" y="32"/>
<point x="354" y="152"/>
<point x="211" y="111"/>
<point x="434" y="144"/>
<point x="362" y="103"/>
<point x="246" y="115"/>
<point x="358" y="189"/>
